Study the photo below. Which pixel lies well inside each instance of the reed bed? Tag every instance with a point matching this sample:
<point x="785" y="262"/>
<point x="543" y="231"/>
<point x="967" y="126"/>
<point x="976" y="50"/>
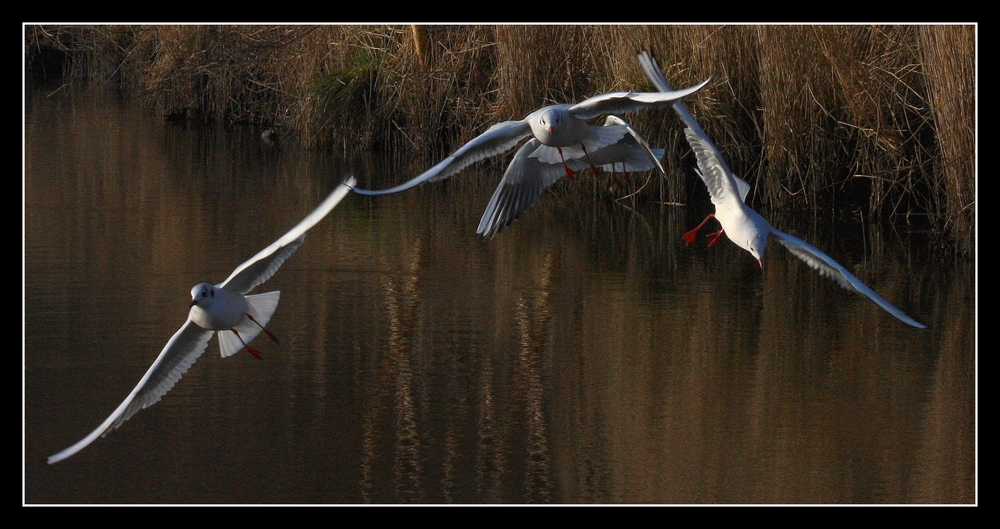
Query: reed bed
<point x="876" y="121"/>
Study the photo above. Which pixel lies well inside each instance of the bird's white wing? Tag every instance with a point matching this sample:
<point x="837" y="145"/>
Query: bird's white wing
<point x="660" y="82"/>
<point x="496" y="140"/>
<point x="634" y="149"/>
<point x="184" y="347"/>
<point x="827" y="267"/>
<point x="262" y="266"/>
<point x="720" y="184"/>
<point x="623" y="102"/>
<point x="528" y="175"/>
<point x="522" y="184"/>
<point x="714" y="171"/>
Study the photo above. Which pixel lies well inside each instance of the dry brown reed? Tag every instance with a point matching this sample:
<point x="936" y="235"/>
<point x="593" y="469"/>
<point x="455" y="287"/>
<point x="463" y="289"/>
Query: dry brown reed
<point x="871" y="120"/>
<point x="948" y="56"/>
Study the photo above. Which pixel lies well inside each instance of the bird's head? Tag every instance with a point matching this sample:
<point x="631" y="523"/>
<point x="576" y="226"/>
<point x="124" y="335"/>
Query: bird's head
<point x="202" y="294"/>
<point x="756" y="244"/>
<point x="548" y="123"/>
<point x="751" y="238"/>
<point x="749" y="231"/>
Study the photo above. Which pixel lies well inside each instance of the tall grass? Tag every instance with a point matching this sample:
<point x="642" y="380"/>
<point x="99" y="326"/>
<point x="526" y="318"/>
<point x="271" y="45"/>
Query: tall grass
<point x="876" y="121"/>
<point x="950" y="85"/>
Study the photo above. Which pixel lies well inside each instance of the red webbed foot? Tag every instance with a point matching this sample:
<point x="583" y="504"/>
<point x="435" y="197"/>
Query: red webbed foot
<point x="254" y="352"/>
<point x="690" y="236"/>
<point x="249" y="349"/>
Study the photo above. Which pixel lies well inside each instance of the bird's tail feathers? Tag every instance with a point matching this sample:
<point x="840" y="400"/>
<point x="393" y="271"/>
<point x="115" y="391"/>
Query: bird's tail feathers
<point x="262" y="307"/>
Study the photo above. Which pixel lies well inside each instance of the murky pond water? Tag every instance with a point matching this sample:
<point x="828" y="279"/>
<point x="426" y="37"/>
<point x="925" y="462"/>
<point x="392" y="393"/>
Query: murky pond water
<point x="584" y="355"/>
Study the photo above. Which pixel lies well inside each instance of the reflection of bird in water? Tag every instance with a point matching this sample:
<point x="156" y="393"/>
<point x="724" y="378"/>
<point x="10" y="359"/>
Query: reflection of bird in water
<point x="744" y="226"/>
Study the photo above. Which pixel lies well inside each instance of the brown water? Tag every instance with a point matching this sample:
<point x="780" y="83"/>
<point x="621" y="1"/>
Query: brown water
<point x="582" y="356"/>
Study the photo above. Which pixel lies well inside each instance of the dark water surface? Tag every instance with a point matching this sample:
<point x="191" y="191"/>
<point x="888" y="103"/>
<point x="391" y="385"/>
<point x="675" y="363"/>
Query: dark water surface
<point x="582" y="356"/>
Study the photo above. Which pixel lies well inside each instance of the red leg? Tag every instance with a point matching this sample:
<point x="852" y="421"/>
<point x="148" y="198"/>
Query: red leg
<point x="569" y="172"/>
<point x="592" y="168"/>
<point x="713" y="238"/>
<point x="689" y="236"/>
<point x="269" y="334"/>
<point x="249" y="349"/>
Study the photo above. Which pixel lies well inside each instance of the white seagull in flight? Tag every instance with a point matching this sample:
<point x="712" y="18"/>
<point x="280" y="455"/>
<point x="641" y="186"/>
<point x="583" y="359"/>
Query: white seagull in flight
<point x="527" y="176"/>
<point x="744" y="226"/>
<point x="225" y="308"/>
<point x="561" y="131"/>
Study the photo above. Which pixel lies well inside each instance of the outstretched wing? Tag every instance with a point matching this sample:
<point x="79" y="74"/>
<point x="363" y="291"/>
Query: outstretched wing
<point x="522" y="184"/>
<point x="721" y="186"/>
<point x="180" y="353"/>
<point x="633" y="150"/>
<point x="497" y="139"/>
<point x="660" y="82"/>
<point x="528" y="175"/>
<point x="262" y="266"/>
<point x="827" y="267"/>
<point x="622" y="102"/>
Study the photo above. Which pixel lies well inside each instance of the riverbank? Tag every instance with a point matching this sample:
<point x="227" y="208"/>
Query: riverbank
<point x="878" y="121"/>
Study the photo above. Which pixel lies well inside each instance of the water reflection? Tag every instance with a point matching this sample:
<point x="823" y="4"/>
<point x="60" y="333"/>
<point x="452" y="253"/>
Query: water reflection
<point x="582" y="356"/>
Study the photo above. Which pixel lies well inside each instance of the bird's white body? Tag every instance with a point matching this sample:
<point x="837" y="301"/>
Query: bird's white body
<point x="218" y="309"/>
<point x="224" y="308"/>
<point x="562" y="132"/>
<point x="566" y="137"/>
<point x="743" y="225"/>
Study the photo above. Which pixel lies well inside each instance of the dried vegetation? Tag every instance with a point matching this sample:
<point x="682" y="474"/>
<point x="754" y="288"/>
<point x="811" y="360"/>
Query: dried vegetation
<point x="876" y="121"/>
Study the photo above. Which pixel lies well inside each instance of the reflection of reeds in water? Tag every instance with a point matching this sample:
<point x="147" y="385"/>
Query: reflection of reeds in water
<point x="408" y="462"/>
<point x="489" y="453"/>
<point x="830" y="393"/>
<point x="947" y="470"/>
<point x="402" y="310"/>
<point x="513" y="452"/>
<point x="533" y="324"/>
<point x="650" y="384"/>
